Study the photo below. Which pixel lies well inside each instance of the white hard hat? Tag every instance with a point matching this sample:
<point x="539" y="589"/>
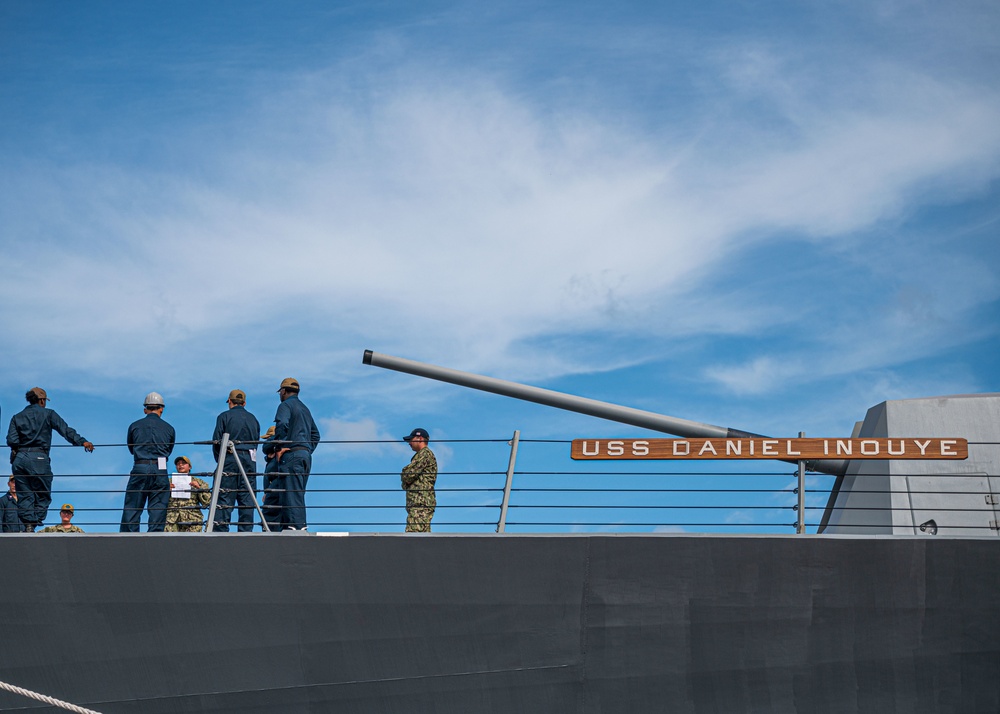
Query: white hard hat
<point x="153" y="399"/>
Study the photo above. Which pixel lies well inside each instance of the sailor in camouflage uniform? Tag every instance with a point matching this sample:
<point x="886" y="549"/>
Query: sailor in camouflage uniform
<point x="184" y="514"/>
<point x="418" y="479"/>
<point x="66" y="514"/>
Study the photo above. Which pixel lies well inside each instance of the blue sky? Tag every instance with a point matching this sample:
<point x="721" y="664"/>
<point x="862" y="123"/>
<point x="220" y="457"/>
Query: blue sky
<point x="770" y="216"/>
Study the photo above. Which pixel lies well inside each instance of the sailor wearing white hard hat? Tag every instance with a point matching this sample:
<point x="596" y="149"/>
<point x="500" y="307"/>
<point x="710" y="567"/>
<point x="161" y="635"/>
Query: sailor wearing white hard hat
<point x="150" y="440"/>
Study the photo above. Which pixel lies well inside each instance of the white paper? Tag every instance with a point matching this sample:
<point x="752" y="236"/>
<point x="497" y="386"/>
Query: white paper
<point x="180" y="486"/>
<point x="253" y="455"/>
<point x="161" y="462"/>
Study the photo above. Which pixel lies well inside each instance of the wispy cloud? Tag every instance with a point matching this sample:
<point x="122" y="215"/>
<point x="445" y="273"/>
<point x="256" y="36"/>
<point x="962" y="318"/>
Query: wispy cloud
<point x="441" y="208"/>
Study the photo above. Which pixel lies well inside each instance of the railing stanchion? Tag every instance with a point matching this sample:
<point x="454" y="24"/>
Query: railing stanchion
<point x="217" y="484"/>
<point x="251" y="488"/>
<point x="502" y="524"/>
<point x="801" y="527"/>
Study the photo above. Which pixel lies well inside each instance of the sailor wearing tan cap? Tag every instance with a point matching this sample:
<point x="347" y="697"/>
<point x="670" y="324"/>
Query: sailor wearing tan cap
<point x="296" y="438"/>
<point x="65" y="526"/>
<point x="243" y="429"/>
<point x="30" y="438"/>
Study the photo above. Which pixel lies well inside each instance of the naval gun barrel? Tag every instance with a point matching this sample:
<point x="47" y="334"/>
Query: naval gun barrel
<point x="570" y="402"/>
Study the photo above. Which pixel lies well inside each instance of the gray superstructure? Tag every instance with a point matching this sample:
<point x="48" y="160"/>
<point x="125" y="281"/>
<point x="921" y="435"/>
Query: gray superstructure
<point x="924" y="497"/>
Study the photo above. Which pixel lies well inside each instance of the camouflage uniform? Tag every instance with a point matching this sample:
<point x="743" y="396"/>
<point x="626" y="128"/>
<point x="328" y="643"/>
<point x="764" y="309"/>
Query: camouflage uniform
<point x="62" y="529"/>
<point x="418" y="479"/>
<point x="184" y="514"/>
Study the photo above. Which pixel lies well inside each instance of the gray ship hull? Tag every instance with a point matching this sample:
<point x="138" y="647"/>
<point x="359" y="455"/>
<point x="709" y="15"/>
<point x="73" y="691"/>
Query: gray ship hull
<point x="566" y="623"/>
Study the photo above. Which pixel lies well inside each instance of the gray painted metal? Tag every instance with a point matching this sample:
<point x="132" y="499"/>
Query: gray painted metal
<point x="573" y="403"/>
<point x="246" y="484"/>
<point x="227" y="446"/>
<point x="181" y="623"/>
<point x="898" y="497"/>
<point x="217" y="484"/>
<point x="800" y="503"/>
<point x="509" y="482"/>
<point x="570" y="402"/>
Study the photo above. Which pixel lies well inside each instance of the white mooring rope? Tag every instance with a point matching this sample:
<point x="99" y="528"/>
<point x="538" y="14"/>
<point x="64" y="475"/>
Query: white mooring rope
<point x="48" y="700"/>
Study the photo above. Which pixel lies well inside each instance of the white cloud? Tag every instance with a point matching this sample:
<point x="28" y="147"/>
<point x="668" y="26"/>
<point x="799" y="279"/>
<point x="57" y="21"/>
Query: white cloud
<point x="458" y="218"/>
<point x="760" y="375"/>
<point x="670" y="529"/>
<point x="368" y="437"/>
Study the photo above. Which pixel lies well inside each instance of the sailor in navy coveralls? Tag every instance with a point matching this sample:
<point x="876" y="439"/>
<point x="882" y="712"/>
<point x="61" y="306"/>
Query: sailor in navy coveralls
<point x="296" y="436"/>
<point x="244" y="430"/>
<point x="30" y="438"/>
<point x="150" y="440"/>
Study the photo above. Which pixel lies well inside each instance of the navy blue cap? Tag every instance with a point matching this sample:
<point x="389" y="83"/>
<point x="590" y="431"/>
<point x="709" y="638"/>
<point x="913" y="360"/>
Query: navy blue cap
<point x="417" y="432"/>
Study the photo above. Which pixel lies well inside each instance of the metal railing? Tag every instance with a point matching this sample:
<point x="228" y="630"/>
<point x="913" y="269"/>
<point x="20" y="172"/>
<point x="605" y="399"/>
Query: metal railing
<point x="530" y="490"/>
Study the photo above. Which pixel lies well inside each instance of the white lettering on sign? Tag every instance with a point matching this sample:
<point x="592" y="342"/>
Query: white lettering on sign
<point x="800" y="449"/>
<point x="707" y="448"/>
<point x="869" y="448"/>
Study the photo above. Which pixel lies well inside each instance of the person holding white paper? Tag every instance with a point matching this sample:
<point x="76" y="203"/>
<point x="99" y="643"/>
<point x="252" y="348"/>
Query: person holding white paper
<point x="188" y="495"/>
<point x="150" y="440"/>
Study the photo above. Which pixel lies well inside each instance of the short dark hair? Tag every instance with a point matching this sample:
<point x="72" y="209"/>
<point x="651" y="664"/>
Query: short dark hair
<point x="31" y="396"/>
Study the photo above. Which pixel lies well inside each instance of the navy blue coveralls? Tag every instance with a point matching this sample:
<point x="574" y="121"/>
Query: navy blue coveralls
<point x="271" y="505"/>
<point x="149" y="439"/>
<point x="9" y="520"/>
<point x="295" y="430"/>
<point x="30" y="436"/>
<point x="244" y="429"/>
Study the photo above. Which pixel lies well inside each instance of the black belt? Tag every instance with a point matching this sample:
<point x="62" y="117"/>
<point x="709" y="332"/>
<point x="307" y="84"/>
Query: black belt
<point x="147" y="461"/>
<point x="299" y="448"/>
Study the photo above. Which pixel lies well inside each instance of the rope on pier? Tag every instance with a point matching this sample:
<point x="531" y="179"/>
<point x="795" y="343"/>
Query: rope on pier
<point x="48" y="700"/>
